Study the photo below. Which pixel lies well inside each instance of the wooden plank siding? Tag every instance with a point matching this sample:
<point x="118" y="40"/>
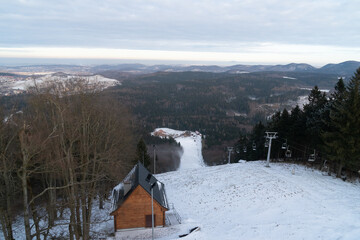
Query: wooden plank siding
<point x="132" y="212"/>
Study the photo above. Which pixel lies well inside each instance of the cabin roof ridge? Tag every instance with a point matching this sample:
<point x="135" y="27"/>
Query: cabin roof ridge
<point x="138" y="175"/>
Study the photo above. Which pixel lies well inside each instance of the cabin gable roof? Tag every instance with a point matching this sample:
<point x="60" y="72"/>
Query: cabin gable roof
<point x="139" y="176"/>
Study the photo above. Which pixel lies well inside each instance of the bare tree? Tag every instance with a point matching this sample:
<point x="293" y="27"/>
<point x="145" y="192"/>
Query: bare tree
<point x="8" y="181"/>
<point x="69" y="145"/>
<point x="90" y="137"/>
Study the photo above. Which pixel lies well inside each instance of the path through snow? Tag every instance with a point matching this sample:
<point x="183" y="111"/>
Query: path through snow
<point x="191" y="143"/>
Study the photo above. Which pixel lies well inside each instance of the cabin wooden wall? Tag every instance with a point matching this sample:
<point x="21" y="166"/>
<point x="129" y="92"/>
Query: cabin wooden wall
<point x="132" y="212"/>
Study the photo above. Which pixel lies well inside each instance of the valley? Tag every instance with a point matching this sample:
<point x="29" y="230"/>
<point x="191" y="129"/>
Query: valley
<point x="219" y="102"/>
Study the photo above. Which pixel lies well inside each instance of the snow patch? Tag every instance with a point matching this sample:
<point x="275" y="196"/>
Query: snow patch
<point x="321" y="90"/>
<point x="292" y="78"/>
<point x="40" y="81"/>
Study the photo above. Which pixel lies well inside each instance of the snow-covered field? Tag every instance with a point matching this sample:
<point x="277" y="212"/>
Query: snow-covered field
<point x="95" y="79"/>
<point x="250" y="201"/>
<point x="191" y="144"/>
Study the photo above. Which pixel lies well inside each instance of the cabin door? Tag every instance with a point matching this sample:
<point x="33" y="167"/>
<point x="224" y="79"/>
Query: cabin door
<point x="148" y="222"/>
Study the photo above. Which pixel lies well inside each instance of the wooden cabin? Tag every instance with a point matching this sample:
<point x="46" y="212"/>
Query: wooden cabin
<point x="132" y="200"/>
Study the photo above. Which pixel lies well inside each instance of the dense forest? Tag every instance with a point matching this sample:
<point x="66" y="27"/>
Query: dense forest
<point x="325" y="132"/>
<point x="219" y="105"/>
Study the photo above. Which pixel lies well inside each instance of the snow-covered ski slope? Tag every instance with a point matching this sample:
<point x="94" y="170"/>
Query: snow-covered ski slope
<point x="191" y="143"/>
<point x="249" y="201"/>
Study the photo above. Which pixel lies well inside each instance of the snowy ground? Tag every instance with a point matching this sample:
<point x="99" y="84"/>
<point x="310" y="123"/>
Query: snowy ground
<point x="95" y="79"/>
<point x="102" y="224"/>
<point x="191" y="143"/>
<point x="250" y="201"/>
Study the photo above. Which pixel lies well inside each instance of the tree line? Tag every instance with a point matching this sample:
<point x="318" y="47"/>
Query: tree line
<point x="61" y="154"/>
<point x="328" y="126"/>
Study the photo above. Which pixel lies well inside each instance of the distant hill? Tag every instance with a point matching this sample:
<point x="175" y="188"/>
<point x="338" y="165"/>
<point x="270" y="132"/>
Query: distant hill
<point x="342" y="69"/>
<point x="292" y="67"/>
<point x="346" y="69"/>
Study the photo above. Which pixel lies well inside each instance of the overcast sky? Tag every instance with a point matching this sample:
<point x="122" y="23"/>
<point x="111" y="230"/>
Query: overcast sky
<point x="245" y="31"/>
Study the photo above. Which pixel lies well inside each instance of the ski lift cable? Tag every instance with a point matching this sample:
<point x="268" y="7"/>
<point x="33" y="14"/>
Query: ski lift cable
<point x="291" y="142"/>
<point x="292" y="146"/>
<point x="301" y="150"/>
<point x="300" y="145"/>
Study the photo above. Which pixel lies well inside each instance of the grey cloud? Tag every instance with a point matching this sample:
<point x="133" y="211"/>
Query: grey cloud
<point x="151" y="24"/>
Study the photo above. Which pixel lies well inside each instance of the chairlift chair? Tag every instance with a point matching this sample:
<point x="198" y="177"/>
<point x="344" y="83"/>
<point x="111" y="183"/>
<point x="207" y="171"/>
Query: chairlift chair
<point x="325" y="168"/>
<point x="244" y="149"/>
<point x="284" y="145"/>
<point x="312" y="157"/>
<point x="288" y="153"/>
<point x="267" y="143"/>
<point x="254" y="147"/>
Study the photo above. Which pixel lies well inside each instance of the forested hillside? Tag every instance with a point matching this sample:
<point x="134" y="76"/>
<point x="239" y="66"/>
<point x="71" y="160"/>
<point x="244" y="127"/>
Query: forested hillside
<point x="219" y="105"/>
<point x="325" y="132"/>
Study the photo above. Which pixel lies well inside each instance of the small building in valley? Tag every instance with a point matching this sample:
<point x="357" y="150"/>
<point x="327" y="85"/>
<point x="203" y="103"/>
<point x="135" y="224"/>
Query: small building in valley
<point x="132" y="200"/>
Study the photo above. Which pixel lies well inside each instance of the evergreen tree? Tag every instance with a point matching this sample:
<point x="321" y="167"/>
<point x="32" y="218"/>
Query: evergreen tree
<point x="295" y="135"/>
<point x="332" y="137"/>
<point x="342" y="139"/>
<point x="142" y="153"/>
<point x="314" y="114"/>
<point x="340" y="89"/>
<point x="298" y="124"/>
<point x="284" y="124"/>
<point x="316" y="99"/>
